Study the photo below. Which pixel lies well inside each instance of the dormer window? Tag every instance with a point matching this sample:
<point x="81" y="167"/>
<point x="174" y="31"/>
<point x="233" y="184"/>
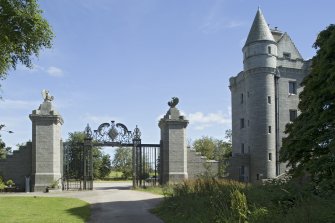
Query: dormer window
<point x="287" y="55"/>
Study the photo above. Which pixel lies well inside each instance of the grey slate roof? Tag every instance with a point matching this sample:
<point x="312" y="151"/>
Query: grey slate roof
<point x="259" y="29"/>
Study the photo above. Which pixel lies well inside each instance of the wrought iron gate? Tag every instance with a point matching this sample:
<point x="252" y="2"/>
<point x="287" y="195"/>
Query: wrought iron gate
<point x="78" y="161"/>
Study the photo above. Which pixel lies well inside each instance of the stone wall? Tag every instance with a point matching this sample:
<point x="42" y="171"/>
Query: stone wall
<point x="17" y="166"/>
<point x="198" y="165"/>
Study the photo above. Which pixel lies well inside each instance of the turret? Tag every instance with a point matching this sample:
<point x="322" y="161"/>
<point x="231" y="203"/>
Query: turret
<point x="260" y="49"/>
<point x="260" y="62"/>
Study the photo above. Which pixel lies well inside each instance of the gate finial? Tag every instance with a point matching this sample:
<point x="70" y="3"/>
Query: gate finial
<point x="88" y="131"/>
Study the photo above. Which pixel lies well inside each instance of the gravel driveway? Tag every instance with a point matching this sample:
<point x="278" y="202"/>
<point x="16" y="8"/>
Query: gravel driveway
<point x="113" y="202"/>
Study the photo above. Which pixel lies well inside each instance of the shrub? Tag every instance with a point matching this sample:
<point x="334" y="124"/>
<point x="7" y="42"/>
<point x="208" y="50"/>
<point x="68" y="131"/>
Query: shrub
<point x="10" y="183"/>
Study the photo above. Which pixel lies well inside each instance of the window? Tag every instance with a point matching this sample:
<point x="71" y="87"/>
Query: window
<point x="270" y="156"/>
<point x="242" y="98"/>
<point x="242" y="171"/>
<point x="269" y="129"/>
<point x="292" y="87"/>
<point x="293" y="114"/>
<point x="287" y="55"/>
<point x="248" y="94"/>
<point x="242" y="148"/>
<point x="242" y="123"/>
<point x="269" y="49"/>
<point x="257" y="176"/>
<point x="269" y="99"/>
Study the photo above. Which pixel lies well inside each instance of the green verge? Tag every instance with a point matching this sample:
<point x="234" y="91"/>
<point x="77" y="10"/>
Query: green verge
<point x="210" y="200"/>
<point x="154" y="190"/>
<point x="43" y="209"/>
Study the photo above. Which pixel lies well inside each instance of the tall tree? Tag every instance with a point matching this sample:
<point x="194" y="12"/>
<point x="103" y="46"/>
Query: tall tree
<point x="74" y="141"/>
<point x="310" y="145"/>
<point x="215" y="149"/>
<point x="105" y="167"/>
<point x="4" y="151"/>
<point x="123" y="161"/>
<point x="24" y="32"/>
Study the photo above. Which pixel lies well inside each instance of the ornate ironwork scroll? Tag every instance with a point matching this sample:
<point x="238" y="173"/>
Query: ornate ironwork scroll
<point x="113" y="133"/>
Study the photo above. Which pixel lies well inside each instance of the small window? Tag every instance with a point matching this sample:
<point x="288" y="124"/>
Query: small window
<point x="270" y="156"/>
<point x="269" y="99"/>
<point x="242" y="148"/>
<point x="242" y="98"/>
<point x="292" y="88"/>
<point x="269" y="49"/>
<point x="287" y="55"/>
<point x="242" y="123"/>
<point x="269" y="129"/>
<point x="257" y="176"/>
<point x="293" y="114"/>
<point x="242" y="170"/>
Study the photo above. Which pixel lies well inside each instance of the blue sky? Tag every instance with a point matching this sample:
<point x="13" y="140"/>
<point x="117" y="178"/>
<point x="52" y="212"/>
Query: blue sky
<point x="123" y="60"/>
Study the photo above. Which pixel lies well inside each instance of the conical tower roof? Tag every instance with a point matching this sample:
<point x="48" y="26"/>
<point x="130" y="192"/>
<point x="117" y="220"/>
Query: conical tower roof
<point x="259" y="29"/>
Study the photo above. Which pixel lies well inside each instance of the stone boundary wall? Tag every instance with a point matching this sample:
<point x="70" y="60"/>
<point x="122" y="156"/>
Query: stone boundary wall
<point x="17" y="166"/>
<point x="198" y="165"/>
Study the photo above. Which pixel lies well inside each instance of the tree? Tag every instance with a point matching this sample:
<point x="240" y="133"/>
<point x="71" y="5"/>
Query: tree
<point x="74" y="143"/>
<point x="105" y="167"/>
<point x="123" y="161"/>
<point x="310" y="145"/>
<point x="215" y="149"/>
<point x="24" y="32"/>
<point x="206" y="146"/>
<point x="4" y="151"/>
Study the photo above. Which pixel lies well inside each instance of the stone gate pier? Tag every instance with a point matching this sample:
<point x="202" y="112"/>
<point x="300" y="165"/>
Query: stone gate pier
<point x="47" y="147"/>
<point x="174" y="148"/>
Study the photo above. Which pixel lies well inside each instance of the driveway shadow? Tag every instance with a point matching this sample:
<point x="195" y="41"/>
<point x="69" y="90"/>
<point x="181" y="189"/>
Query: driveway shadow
<point x="125" y="211"/>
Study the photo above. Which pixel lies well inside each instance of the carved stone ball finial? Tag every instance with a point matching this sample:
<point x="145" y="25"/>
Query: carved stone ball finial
<point x="173" y="102"/>
<point x="46" y="95"/>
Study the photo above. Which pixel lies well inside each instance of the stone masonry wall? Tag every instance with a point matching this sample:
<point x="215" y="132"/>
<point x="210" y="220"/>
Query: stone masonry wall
<point x="17" y="166"/>
<point x="198" y="165"/>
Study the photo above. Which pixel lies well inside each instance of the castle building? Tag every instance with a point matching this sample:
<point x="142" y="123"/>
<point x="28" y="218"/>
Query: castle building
<point x="265" y="98"/>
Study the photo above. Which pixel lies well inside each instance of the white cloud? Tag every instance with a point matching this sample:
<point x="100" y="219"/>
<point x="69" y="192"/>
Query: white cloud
<point x="51" y="70"/>
<point x="18" y="104"/>
<point x="215" y="21"/>
<point x="201" y="121"/>
<point x="97" y="120"/>
<point x="54" y="71"/>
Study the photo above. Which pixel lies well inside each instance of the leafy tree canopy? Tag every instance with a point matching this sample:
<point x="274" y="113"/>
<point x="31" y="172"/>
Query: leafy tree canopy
<point x="24" y="32"/>
<point x="215" y="149"/>
<point x="123" y="161"/>
<point x="101" y="166"/>
<point x="310" y="145"/>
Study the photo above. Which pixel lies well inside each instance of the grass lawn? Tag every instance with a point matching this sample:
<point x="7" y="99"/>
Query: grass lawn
<point x="43" y="209"/>
<point x="153" y="190"/>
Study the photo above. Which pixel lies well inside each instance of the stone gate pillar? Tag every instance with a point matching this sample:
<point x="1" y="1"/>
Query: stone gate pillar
<point x="46" y="144"/>
<point x="173" y="145"/>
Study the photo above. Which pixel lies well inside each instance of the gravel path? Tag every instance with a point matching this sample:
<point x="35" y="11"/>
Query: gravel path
<point x="112" y="202"/>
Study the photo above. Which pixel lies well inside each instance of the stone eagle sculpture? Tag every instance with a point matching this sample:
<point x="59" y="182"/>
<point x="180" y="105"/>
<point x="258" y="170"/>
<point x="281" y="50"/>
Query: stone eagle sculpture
<point x="46" y="96"/>
<point x="173" y="102"/>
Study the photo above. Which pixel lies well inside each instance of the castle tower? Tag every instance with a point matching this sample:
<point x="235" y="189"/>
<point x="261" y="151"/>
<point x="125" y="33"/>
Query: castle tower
<point x="264" y="100"/>
<point x="46" y="145"/>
